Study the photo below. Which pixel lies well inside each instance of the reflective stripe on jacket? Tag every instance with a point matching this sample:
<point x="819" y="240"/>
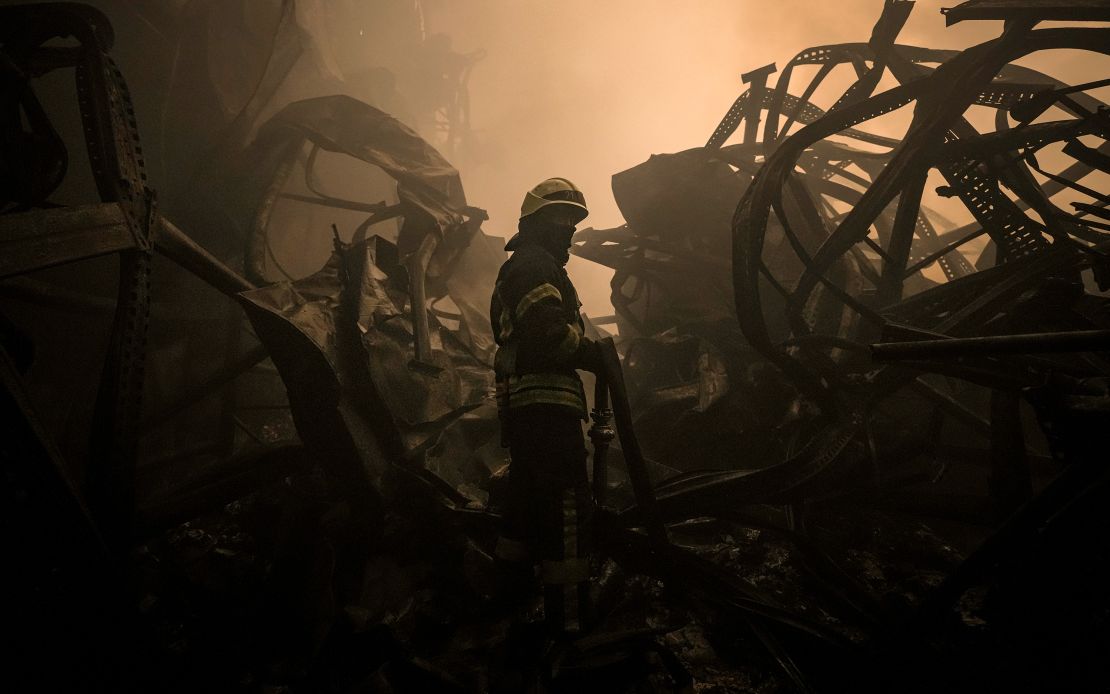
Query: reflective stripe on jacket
<point x="539" y="331"/>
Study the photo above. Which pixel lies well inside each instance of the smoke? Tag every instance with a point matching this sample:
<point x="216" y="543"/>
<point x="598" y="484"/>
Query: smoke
<point x="580" y="88"/>
<point x="584" y="89"/>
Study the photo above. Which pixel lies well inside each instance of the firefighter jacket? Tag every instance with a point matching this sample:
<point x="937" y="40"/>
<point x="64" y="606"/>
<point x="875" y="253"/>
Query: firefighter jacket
<point x="539" y="332"/>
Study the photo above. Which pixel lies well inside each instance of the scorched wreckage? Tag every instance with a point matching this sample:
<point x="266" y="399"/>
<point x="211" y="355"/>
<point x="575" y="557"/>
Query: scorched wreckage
<point x="838" y="442"/>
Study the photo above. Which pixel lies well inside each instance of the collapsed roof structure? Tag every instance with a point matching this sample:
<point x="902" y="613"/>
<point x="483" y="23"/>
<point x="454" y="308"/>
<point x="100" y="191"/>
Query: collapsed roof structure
<point x="805" y="352"/>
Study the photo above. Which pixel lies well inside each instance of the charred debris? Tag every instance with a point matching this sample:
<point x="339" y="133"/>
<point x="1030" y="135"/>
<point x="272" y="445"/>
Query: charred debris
<point x="852" y="446"/>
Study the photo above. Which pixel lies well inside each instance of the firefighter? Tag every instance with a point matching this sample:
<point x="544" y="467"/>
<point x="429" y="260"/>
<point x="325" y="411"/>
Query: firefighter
<point x="539" y="332"/>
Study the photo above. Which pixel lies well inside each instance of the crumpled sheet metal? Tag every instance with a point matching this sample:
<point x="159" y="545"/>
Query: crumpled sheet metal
<point x="465" y="261"/>
<point x="299" y="325"/>
<point x="342" y="341"/>
<point x="655" y="197"/>
<point x="310" y="304"/>
<point x="670" y="259"/>
<point x="426" y="181"/>
<point x="418" y="396"/>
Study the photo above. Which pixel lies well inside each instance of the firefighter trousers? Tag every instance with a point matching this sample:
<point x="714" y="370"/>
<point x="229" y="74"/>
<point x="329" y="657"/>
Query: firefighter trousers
<point x="548" y="509"/>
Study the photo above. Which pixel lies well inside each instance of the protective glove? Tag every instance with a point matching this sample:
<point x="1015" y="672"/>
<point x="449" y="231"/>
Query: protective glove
<point x="588" y="356"/>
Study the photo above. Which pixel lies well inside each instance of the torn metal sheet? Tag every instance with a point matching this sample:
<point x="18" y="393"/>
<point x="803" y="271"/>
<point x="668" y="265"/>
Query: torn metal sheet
<point x="427" y="182"/>
<point x="440" y="231"/>
<point x="344" y="345"/>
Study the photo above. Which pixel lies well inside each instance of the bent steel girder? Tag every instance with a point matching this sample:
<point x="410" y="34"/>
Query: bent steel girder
<point x="118" y="171"/>
<point x="779" y="101"/>
<point x="753" y="214"/>
<point x="115" y="155"/>
<point x="124" y="224"/>
<point x="801" y="109"/>
<point x="942" y="98"/>
<point x="937" y="112"/>
<point x="941" y="108"/>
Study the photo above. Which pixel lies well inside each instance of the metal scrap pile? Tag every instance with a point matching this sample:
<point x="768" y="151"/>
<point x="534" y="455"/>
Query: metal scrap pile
<point x="830" y="246"/>
<point x="782" y="517"/>
<point x="797" y="407"/>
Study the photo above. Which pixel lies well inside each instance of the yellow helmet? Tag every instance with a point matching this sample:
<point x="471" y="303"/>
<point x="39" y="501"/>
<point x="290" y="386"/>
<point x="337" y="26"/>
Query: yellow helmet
<point x="554" y="191"/>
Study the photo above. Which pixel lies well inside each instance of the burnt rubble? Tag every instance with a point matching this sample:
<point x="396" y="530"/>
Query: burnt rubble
<point x="840" y="443"/>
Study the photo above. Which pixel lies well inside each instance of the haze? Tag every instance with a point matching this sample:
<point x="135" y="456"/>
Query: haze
<point x="584" y="89"/>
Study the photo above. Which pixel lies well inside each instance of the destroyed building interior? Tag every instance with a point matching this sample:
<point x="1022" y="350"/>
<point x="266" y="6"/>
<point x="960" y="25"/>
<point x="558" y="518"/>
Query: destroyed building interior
<point x="850" y="436"/>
